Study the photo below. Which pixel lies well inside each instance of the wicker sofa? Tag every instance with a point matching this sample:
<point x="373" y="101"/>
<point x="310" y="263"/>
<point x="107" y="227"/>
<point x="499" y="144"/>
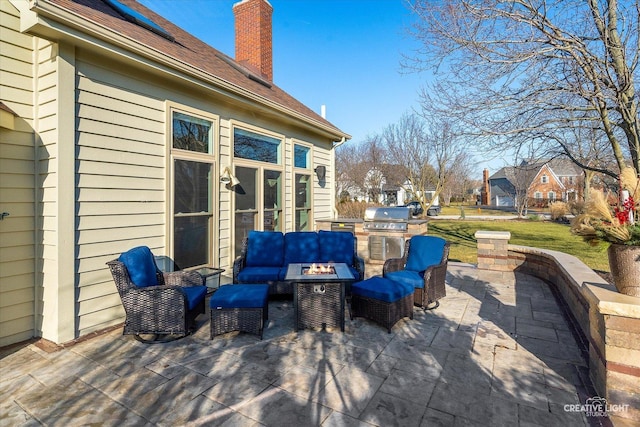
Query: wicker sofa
<point x="266" y="254"/>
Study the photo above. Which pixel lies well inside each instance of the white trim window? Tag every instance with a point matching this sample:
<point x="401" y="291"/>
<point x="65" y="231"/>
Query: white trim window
<point x="537" y="195"/>
<point x="302" y="187"/>
<point x="192" y="188"/>
<point x="258" y="199"/>
<point x="551" y="195"/>
<point x="544" y="179"/>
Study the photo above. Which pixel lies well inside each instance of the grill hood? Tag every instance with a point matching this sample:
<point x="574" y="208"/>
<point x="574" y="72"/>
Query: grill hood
<point x="387" y="214"/>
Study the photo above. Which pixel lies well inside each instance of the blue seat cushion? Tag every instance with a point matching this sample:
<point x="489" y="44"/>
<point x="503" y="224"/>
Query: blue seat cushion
<point x="336" y="246"/>
<point x="381" y="289"/>
<point x="240" y="296"/>
<point x="408" y="277"/>
<point x="265" y="249"/>
<point x="301" y="246"/>
<point x="195" y="294"/>
<point x="141" y="266"/>
<point x="259" y="274"/>
<point x="424" y="251"/>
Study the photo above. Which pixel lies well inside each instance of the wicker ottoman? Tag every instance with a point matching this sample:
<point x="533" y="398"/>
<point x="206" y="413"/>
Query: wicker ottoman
<point x="239" y="308"/>
<point x="382" y="300"/>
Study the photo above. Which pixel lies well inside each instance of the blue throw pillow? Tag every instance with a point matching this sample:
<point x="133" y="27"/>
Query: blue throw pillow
<point x="424" y="251"/>
<point x="141" y="266"/>
<point x="301" y="246"/>
<point x="336" y="246"/>
<point x="266" y="249"/>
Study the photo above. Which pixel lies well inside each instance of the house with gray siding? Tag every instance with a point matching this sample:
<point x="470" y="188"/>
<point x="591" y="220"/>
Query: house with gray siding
<point x="120" y="129"/>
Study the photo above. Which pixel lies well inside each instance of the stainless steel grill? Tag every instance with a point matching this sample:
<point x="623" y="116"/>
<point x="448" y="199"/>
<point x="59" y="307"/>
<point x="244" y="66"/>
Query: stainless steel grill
<point x="386" y="219"/>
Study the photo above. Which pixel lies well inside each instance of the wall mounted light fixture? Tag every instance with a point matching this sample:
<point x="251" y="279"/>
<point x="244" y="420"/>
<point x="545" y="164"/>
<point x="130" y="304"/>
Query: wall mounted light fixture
<point x="227" y="178"/>
<point x="321" y="172"/>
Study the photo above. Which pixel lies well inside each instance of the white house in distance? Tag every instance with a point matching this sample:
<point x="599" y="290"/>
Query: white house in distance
<point x="120" y="129"/>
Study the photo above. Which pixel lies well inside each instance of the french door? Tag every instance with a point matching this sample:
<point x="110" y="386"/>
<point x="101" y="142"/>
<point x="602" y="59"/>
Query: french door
<point x="258" y="202"/>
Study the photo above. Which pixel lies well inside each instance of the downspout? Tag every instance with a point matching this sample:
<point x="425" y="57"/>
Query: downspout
<point x="336" y="145"/>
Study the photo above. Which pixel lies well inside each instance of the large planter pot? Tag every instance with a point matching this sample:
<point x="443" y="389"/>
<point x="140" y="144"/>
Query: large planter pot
<point x="624" y="261"/>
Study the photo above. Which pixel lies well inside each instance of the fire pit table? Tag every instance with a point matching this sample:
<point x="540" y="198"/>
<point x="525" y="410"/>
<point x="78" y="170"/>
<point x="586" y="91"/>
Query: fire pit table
<point x="318" y="293"/>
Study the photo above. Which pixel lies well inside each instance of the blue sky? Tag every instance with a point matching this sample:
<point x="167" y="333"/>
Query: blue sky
<point x="344" y="54"/>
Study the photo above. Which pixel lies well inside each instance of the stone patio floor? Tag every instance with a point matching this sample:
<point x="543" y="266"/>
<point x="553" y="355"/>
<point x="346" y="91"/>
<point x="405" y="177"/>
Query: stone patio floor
<point x="497" y="352"/>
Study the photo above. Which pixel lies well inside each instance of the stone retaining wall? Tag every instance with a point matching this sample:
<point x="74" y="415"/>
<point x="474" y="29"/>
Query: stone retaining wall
<point x="608" y="320"/>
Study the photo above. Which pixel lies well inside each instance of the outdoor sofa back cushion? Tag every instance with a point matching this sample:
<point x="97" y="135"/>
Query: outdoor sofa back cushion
<point x="336" y="246"/>
<point x="266" y="249"/>
<point x="301" y="246"/>
<point x="141" y="266"/>
<point x="424" y="251"/>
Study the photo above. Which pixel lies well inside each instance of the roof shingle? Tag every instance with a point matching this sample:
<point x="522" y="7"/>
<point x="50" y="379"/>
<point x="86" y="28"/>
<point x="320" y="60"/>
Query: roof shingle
<point x="189" y="50"/>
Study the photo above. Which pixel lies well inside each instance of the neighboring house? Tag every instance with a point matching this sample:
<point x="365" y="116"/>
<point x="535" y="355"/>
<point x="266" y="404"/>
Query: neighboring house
<point x="540" y="183"/>
<point x="385" y="189"/>
<point x="116" y="129"/>
<point x="383" y="184"/>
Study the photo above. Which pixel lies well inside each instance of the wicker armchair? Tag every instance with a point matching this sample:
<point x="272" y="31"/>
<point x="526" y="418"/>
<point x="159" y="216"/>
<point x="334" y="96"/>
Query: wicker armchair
<point x="432" y="286"/>
<point x="166" y="308"/>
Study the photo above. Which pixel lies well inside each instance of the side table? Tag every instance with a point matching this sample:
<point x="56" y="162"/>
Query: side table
<point x="211" y="277"/>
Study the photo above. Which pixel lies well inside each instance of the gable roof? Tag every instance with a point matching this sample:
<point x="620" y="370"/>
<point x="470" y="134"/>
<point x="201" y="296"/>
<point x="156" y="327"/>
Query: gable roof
<point x="561" y="166"/>
<point x="558" y="166"/>
<point x="186" y="52"/>
<point x="520" y="177"/>
<point x="546" y="168"/>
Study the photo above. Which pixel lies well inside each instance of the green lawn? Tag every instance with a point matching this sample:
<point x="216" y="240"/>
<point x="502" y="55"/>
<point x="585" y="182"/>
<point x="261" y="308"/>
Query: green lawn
<point x="473" y="210"/>
<point x="540" y="234"/>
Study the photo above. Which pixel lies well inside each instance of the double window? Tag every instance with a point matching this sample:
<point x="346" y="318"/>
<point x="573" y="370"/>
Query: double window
<point x="192" y="166"/>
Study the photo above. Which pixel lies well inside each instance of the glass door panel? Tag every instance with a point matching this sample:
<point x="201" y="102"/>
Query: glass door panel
<point x="193" y="214"/>
<point x="303" y="202"/>
<point x="246" y="211"/>
<point x="272" y="195"/>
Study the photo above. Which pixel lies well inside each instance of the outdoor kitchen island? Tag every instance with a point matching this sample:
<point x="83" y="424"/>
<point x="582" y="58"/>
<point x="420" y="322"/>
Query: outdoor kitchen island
<point x="376" y="245"/>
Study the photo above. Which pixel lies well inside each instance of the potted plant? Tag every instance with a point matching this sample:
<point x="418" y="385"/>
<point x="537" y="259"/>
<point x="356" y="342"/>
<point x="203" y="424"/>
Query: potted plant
<point x="620" y="226"/>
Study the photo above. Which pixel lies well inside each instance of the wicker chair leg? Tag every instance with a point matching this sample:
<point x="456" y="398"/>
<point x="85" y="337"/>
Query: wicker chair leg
<point x="159" y="338"/>
<point x="431" y="306"/>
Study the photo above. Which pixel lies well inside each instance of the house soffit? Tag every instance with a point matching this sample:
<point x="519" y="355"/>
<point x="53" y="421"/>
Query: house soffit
<point x="56" y="22"/>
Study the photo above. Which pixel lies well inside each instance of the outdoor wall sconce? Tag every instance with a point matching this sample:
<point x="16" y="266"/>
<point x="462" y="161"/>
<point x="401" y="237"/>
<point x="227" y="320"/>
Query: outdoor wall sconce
<point x="321" y="172"/>
<point x="227" y="178"/>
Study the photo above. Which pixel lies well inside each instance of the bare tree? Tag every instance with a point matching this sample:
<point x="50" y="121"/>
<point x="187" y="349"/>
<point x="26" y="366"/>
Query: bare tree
<point x="458" y="181"/>
<point x="428" y="149"/>
<point x="350" y="173"/>
<point x="522" y="71"/>
<point x="360" y="168"/>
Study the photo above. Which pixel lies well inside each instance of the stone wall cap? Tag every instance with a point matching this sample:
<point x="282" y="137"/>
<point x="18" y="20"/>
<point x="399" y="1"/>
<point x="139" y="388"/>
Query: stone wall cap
<point x="483" y="234"/>
<point x="612" y="302"/>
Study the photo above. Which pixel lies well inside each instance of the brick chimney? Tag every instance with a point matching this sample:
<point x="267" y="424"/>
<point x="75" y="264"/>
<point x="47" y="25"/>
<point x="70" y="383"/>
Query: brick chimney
<point x="485" y="194"/>
<point x="254" y="36"/>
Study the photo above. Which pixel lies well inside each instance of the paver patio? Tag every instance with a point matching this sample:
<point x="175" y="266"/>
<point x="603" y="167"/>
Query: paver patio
<point x="497" y="351"/>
